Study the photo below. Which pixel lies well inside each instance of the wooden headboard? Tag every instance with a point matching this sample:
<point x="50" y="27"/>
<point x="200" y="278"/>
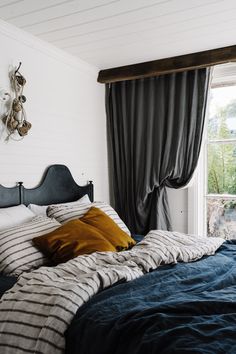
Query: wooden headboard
<point x="57" y="186"/>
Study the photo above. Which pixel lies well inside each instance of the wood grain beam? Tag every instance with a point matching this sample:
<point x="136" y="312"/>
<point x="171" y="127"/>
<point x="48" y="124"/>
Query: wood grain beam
<point x="169" y="65"/>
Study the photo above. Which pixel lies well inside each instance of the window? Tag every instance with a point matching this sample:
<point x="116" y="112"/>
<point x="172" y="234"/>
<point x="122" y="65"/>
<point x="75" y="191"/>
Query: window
<point x="212" y="191"/>
<point x="220" y="174"/>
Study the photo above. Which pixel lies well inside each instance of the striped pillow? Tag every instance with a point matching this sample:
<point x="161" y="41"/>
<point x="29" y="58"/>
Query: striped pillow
<point x="66" y="213"/>
<point x="17" y="252"/>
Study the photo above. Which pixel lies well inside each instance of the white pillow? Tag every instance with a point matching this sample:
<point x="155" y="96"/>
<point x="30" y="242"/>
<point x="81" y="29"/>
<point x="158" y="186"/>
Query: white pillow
<point x="14" y="216"/>
<point x="41" y="210"/>
<point x="64" y="213"/>
<point x="17" y="252"/>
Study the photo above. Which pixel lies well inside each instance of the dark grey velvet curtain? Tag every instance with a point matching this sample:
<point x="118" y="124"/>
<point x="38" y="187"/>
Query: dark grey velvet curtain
<point x="154" y="128"/>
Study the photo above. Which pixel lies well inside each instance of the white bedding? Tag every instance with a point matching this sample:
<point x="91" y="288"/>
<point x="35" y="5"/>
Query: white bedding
<point x="35" y="313"/>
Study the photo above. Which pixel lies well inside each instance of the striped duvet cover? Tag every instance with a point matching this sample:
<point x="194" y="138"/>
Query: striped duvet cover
<point x="36" y="312"/>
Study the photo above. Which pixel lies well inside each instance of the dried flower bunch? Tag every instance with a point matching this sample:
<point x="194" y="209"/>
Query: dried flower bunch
<point x="15" y="119"/>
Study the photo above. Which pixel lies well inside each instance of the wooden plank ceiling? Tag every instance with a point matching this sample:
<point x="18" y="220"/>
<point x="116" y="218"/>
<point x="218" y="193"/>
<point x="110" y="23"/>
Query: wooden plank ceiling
<point x="109" y="33"/>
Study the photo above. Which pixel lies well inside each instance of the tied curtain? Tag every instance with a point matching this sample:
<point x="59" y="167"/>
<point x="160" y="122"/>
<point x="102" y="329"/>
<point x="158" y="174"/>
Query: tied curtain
<point x="154" y="131"/>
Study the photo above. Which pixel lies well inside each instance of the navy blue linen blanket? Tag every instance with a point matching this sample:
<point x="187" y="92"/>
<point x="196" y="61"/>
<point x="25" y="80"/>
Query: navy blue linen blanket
<point x="6" y="283"/>
<point x="183" y="308"/>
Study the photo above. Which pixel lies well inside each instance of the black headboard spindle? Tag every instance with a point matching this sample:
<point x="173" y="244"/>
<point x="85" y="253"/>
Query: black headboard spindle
<point x="20" y="185"/>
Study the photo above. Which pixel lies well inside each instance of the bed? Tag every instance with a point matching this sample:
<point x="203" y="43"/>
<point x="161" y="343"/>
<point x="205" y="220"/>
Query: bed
<point x="180" y="307"/>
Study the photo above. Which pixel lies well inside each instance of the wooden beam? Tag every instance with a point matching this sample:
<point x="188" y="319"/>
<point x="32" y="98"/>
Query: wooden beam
<point x="169" y="65"/>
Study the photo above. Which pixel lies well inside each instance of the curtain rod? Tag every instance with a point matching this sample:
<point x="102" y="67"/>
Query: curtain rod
<point x="169" y="65"/>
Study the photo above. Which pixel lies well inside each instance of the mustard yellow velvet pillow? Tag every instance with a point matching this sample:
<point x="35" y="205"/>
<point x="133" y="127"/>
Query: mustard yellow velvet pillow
<point x="71" y="240"/>
<point x="108" y="228"/>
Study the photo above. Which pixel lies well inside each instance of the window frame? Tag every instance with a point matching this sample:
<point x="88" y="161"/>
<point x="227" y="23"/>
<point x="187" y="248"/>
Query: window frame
<point x="198" y="187"/>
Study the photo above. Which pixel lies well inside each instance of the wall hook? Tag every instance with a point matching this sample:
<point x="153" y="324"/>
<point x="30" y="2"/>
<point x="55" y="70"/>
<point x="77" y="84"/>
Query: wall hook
<point x="16" y="71"/>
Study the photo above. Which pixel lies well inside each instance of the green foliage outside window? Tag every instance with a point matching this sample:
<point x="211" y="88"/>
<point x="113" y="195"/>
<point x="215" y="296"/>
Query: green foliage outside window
<point x="222" y="157"/>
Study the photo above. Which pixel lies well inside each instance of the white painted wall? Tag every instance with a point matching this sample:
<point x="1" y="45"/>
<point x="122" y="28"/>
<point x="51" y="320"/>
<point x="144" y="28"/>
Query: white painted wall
<point x="66" y="108"/>
<point x="178" y="202"/>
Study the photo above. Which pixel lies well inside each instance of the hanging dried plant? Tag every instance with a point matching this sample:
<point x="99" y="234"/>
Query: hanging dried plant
<point x="15" y="119"/>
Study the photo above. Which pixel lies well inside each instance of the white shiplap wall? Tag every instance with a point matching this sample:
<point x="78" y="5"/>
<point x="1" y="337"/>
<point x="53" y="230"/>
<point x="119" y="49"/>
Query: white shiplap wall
<point x="66" y="108"/>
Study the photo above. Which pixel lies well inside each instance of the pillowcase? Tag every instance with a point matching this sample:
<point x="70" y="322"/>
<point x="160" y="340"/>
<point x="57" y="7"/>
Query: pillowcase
<point x="41" y="210"/>
<point x="71" y="240"/>
<point x="17" y="252"/>
<point x="108" y="228"/>
<point x="14" y="216"/>
<point x="66" y="213"/>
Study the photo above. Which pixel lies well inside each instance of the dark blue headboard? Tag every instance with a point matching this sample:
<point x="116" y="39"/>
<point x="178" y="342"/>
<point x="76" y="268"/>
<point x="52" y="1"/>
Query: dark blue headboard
<point x="57" y="186"/>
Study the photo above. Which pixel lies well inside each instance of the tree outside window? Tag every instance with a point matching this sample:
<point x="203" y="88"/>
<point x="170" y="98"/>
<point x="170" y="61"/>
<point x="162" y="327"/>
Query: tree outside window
<point x="221" y="163"/>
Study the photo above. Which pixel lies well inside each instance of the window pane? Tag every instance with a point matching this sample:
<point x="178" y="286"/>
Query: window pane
<point x="221" y="218"/>
<point x="222" y="168"/>
<point x="222" y="113"/>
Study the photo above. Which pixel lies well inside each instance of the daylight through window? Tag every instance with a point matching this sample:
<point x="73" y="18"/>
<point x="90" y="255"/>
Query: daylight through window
<point x="221" y="163"/>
